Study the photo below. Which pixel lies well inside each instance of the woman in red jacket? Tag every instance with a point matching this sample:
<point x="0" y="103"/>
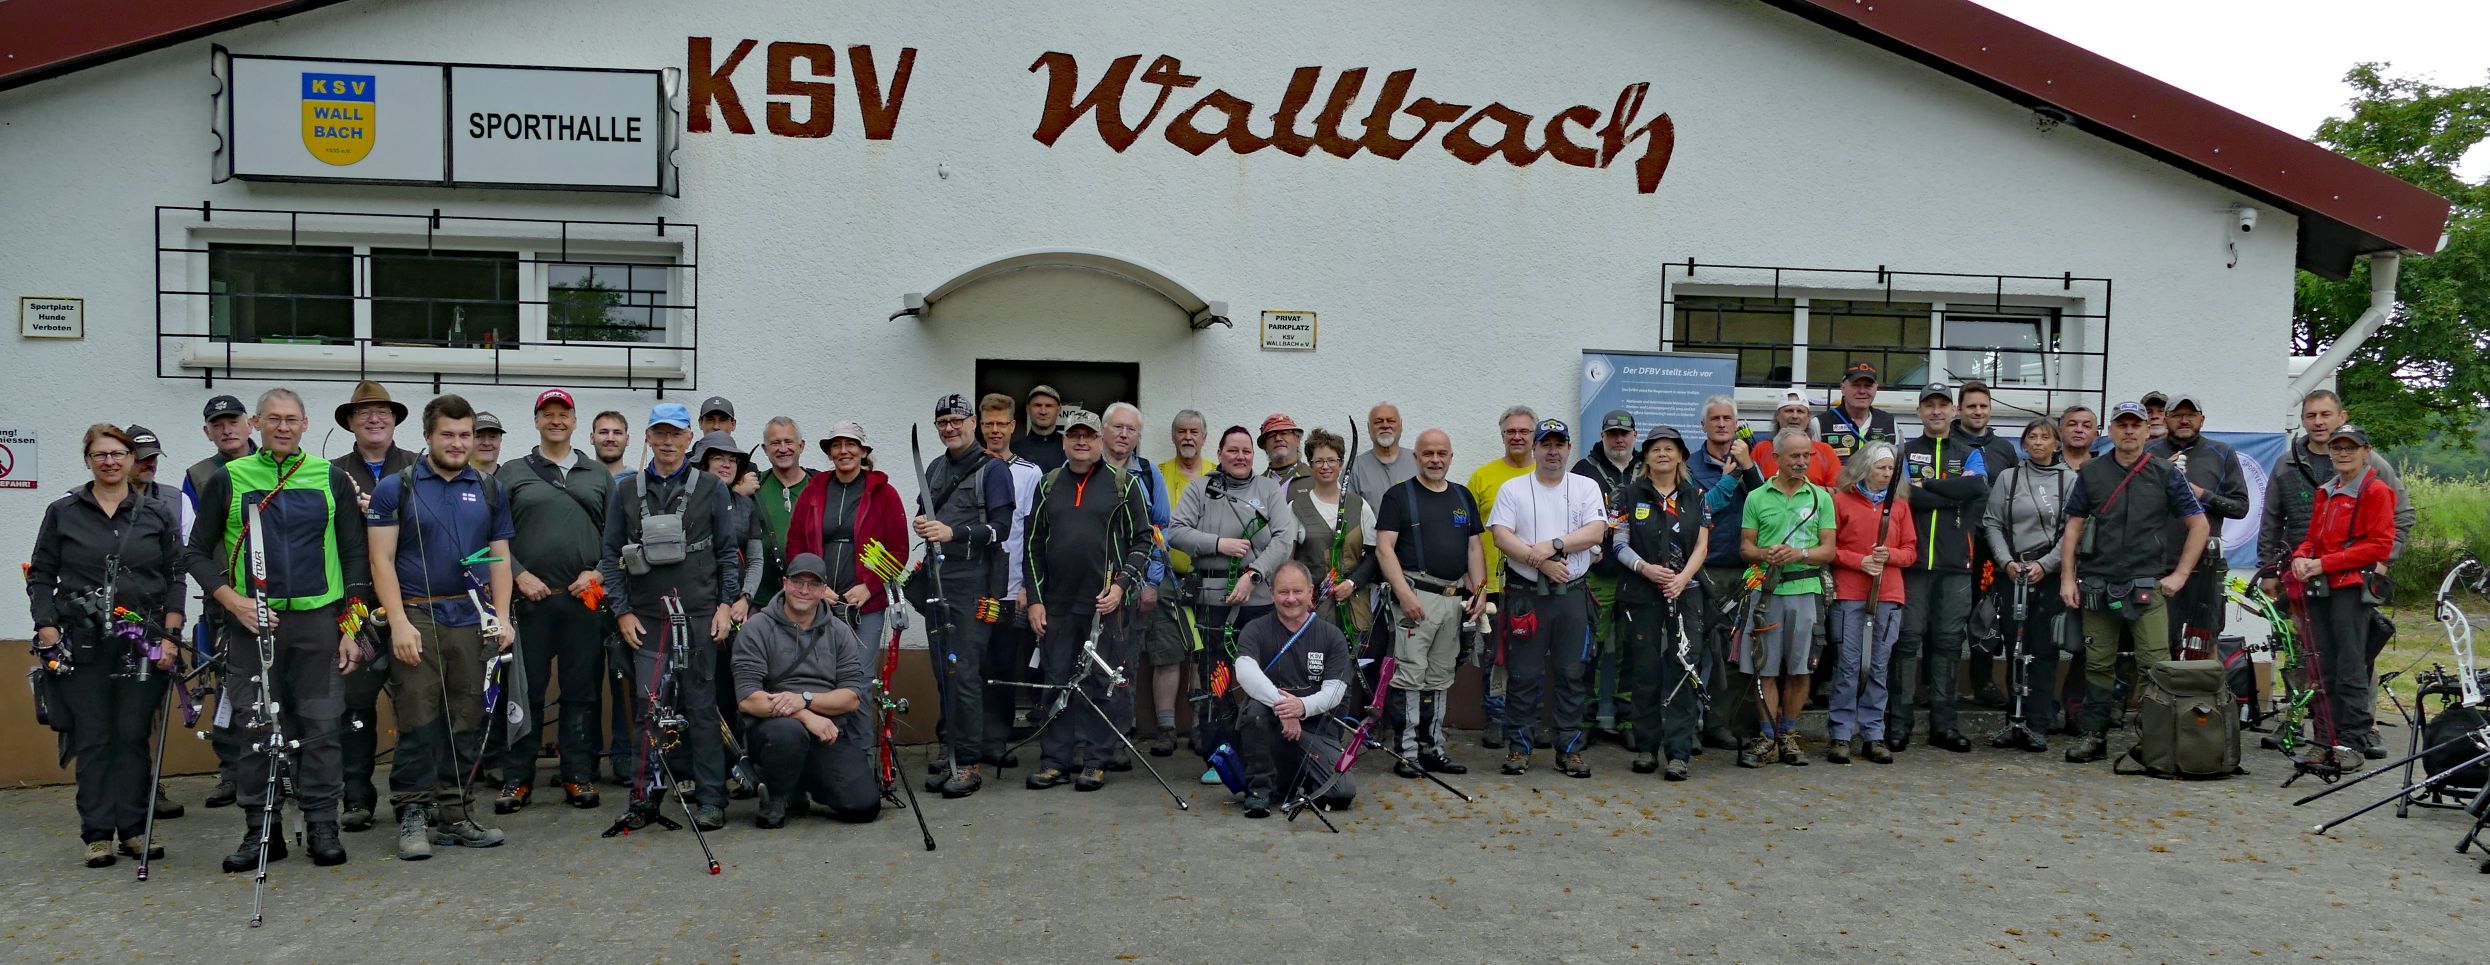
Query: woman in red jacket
<point x="2351" y="531"/>
<point x="845" y="509"/>
<point x="1859" y="508"/>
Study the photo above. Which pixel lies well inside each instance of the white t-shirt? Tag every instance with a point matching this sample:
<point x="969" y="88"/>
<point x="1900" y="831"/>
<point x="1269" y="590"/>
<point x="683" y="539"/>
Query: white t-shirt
<point x="1331" y="510"/>
<point x="1537" y="513"/>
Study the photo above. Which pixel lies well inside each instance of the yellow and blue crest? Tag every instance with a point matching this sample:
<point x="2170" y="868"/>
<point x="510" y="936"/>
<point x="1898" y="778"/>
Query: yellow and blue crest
<point x="337" y="116"/>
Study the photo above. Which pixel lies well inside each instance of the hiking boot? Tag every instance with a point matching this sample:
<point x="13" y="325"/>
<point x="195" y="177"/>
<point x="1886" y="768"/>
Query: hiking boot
<point x="513" y="797"/>
<point x="466" y="833"/>
<point x="1646" y="762"/>
<point x="1878" y="753"/>
<point x="1408" y="770"/>
<point x="1951" y="741"/>
<point x="580" y="794"/>
<point x="1516" y="762"/>
<point x="2093" y="747"/>
<point x="963" y="782"/>
<point x="320" y="841"/>
<point x="167" y="809"/>
<point x="99" y="854"/>
<point x="707" y="817"/>
<point x="2372" y="746"/>
<point x="129" y="848"/>
<point x="1045" y="777"/>
<point x="1164" y="745"/>
<point x="1837" y="752"/>
<point x="1676" y="769"/>
<point x="1793" y="752"/>
<point x="1441" y="763"/>
<point x="2035" y="742"/>
<point x="1898" y="742"/>
<point x="1758" y="752"/>
<point x="246" y="856"/>
<point x="1120" y="762"/>
<point x="1090" y="779"/>
<point x="1257" y="805"/>
<point x="415" y="834"/>
<point x="1573" y="765"/>
<point x="355" y="817"/>
<point x="222" y="796"/>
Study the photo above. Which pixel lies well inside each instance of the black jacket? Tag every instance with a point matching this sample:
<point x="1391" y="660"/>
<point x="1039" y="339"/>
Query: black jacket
<point x="76" y="538"/>
<point x="1949" y="492"/>
<point x="1084" y="529"/>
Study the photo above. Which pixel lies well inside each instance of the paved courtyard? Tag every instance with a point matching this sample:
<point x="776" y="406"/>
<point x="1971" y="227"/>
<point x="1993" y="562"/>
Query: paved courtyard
<point x="1995" y="856"/>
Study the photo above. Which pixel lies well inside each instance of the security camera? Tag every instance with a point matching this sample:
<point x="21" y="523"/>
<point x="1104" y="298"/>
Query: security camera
<point x="2247" y="219"/>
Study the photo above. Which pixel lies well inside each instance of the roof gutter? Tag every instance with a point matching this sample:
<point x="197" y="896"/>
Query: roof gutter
<point x="2384" y="268"/>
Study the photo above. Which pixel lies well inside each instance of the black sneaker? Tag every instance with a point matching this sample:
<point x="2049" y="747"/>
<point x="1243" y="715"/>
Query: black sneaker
<point x="320" y="840"/>
<point x="1257" y="805"/>
<point x="222" y="796"/>
<point x="2092" y="748"/>
<point x="1898" y="742"/>
<point x="1516" y="762"/>
<point x="1951" y="741"/>
<point x="1441" y="763"/>
<point x="246" y="856"/>
<point x="1045" y="777"/>
<point x="1407" y="770"/>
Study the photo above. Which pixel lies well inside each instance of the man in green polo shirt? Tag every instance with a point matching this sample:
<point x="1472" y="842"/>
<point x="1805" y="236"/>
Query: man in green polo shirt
<point x="781" y="486"/>
<point x="1797" y="517"/>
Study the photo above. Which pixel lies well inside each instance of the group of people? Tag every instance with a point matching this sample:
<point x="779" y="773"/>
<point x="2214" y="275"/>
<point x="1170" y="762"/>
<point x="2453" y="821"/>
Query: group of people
<point x="1668" y="593"/>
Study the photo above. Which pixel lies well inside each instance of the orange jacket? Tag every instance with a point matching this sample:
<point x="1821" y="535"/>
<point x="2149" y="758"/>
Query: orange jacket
<point x="1854" y="537"/>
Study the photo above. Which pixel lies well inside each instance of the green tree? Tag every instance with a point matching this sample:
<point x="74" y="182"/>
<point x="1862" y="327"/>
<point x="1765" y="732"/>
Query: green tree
<point x="2423" y="371"/>
<point x="580" y="313"/>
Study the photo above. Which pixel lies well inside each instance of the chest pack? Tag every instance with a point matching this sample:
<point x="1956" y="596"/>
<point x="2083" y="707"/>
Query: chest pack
<point x="663" y="539"/>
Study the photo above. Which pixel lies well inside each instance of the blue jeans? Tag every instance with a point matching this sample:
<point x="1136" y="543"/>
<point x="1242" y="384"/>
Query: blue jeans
<point x="1861" y="674"/>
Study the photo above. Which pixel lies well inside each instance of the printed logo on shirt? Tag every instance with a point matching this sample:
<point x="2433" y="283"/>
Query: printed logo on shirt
<point x="1642" y="511"/>
<point x="1461" y="518"/>
<point x="466" y="497"/>
<point x="1314" y="663"/>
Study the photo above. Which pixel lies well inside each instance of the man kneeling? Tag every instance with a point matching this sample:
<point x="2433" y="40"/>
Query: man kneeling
<point x="800" y="674"/>
<point x="1295" y="668"/>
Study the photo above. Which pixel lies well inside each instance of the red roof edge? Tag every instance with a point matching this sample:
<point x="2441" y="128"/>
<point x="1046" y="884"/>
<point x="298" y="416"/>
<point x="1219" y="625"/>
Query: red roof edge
<point x="41" y="39"/>
<point x="2365" y="210"/>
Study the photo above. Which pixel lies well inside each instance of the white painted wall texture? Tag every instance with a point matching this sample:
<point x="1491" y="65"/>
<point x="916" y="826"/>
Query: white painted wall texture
<point x="1455" y="290"/>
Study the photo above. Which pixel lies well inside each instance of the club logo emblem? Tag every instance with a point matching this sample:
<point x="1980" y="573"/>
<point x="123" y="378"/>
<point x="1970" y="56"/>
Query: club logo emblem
<point x="337" y="117"/>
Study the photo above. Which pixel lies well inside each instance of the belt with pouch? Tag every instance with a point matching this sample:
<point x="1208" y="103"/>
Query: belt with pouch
<point x="1429" y="584"/>
<point x="1539" y="587"/>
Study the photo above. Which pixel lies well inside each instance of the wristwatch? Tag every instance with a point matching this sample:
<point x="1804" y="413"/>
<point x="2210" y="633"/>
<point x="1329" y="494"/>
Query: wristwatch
<point x="808" y="699"/>
<point x="1559" y="544"/>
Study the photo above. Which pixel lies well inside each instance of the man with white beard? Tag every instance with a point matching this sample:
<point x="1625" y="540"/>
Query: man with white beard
<point x="1377" y="470"/>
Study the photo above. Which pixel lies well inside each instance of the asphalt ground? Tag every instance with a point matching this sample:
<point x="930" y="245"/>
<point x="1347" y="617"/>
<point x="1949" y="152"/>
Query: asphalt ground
<point x="1992" y="856"/>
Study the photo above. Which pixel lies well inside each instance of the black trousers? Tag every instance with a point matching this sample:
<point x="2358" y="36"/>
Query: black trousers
<point x="837" y="775"/>
<point x="357" y="747"/>
<point x="312" y="694"/>
<point x="114" y="721"/>
<point x="1666" y="701"/>
<point x="976" y="719"/>
<point x="1078" y="737"/>
<point x="1274" y="764"/>
<point x="694" y="696"/>
<point x="557" y="629"/>
<point x="2342" y="648"/>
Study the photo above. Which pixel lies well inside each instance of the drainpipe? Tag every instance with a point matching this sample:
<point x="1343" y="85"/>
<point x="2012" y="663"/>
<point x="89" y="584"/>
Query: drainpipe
<point x="2383" y="269"/>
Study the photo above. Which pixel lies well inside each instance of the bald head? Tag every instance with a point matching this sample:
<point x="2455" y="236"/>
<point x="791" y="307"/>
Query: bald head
<point x="1434" y="456"/>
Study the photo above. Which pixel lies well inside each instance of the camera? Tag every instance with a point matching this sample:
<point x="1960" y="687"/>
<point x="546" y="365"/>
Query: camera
<point x="2247" y="218"/>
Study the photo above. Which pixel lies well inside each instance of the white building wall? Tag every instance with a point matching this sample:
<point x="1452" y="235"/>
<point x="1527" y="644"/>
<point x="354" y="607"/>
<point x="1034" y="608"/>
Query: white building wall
<point x="1454" y="290"/>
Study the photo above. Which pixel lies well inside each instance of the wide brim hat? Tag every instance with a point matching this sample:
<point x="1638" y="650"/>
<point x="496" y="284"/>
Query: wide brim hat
<point x="367" y="392"/>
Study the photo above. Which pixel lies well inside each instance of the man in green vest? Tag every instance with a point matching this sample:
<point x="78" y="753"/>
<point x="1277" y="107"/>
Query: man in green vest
<point x="312" y="549"/>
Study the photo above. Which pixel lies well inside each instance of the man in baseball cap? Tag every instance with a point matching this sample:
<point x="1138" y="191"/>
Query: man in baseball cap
<point x="1792" y="413"/>
<point x="717" y="415"/>
<point x="2156" y="408"/>
<point x="1547" y="524"/>
<point x="487" y="455"/>
<point x="966" y="503"/>
<point x="1855" y="421"/>
<point x="1279" y="439"/>
<point x="2212" y="471"/>
<point x="800" y="677"/>
<point x="553" y="397"/>
<point x="1949" y="492"/>
<point x="1043" y="443"/>
<point x="2119" y="517"/>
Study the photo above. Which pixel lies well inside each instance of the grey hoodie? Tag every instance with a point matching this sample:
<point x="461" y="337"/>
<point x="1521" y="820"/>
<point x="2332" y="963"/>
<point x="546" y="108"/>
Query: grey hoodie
<point x="2028" y="503"/>
<point x="1218" y="506"/>
<point x="772" y="653"/>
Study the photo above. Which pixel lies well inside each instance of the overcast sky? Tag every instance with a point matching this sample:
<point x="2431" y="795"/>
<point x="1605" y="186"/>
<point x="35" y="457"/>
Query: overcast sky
<point x="2279" y="61"/>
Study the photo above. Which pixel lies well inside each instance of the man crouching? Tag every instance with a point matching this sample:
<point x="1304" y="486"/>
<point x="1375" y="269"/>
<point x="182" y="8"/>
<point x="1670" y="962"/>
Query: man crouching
<point x="1296" y="669"/>
<point x="800" y="676"/>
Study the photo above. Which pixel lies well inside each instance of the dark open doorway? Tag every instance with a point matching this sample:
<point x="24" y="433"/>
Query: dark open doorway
<point x="1090" y="385"/>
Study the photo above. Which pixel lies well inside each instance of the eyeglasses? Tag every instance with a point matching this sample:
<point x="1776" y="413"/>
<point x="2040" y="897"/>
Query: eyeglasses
<point x="951" y="420"/>
<point x="283" y="421"/>
<point x="1327" y="462"/>
<point x="109" y="455"/>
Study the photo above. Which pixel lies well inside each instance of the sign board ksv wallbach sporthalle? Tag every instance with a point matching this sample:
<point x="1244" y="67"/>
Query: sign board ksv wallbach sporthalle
<point x="444" y="124"/>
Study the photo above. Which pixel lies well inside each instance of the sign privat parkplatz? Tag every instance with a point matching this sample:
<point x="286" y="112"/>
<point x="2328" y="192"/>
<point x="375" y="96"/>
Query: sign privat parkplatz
<point x="452" y="125"/>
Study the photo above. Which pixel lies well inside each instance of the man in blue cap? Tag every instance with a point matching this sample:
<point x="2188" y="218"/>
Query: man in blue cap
<point x="1546" y="524"/>
<point x="669" y="532"/>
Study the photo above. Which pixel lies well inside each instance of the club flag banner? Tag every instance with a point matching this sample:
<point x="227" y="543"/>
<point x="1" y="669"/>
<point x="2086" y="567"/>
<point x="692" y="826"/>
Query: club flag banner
<point x="338" y="125"/>
<point x="1657" y="388"/>
<point x="2258" y="451"/>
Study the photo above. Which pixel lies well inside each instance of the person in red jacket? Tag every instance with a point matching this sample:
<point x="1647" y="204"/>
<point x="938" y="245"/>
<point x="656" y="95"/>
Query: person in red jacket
<point x="2352" y="530"/>
<point x="1860" y="508"/>
<point x="843" y="510"/>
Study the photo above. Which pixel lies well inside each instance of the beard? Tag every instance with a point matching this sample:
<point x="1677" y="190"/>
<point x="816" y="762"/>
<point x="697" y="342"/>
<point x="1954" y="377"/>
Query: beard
<point x="446" y="468"/>
<point x="1387" y="440"/>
